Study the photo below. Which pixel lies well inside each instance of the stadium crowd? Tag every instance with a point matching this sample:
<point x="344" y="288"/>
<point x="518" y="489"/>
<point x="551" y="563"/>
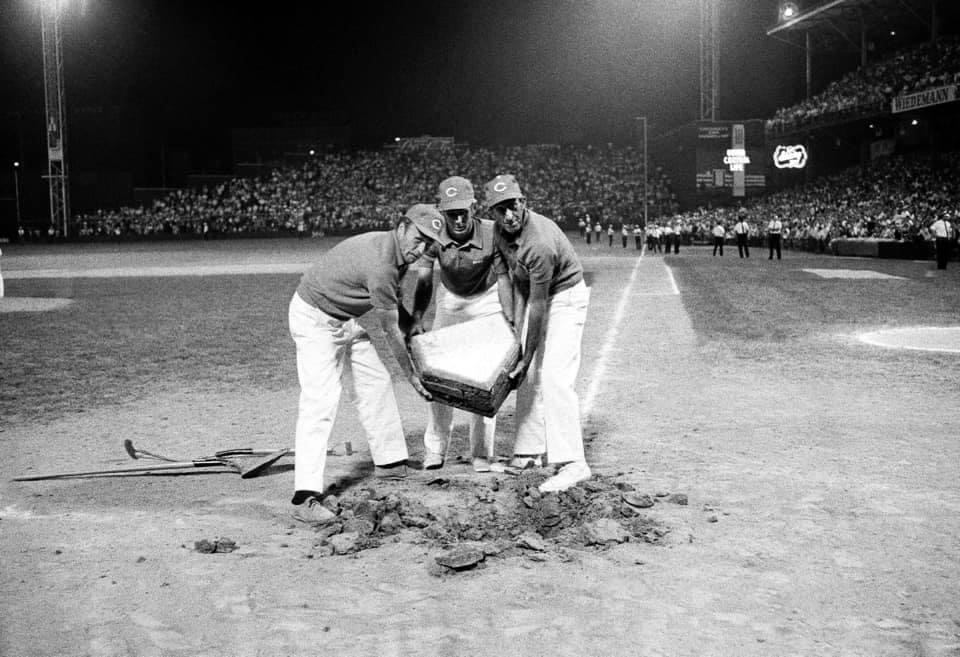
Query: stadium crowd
<point x="871" y="88"/>
<point x="895" y="198"/>
<point x="349" y="192"/>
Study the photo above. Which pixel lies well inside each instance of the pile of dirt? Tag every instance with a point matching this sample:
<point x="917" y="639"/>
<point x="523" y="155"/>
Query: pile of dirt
<point x="496" y="517"/>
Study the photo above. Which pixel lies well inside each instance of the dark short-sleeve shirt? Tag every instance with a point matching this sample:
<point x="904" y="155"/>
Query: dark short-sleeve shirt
<point x="358" y="274"/>
<point x="540" y="254"/>
<point x="465" y="269"/>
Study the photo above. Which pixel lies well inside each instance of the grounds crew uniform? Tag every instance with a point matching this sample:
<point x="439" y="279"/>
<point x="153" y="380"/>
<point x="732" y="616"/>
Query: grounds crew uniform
<point x="468" y="290"/>
<point x="360" y="274"/>
<point x="553" y="308"/>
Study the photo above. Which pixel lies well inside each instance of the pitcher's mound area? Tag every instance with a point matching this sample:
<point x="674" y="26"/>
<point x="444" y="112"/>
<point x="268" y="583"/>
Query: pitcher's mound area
<point x="924" y="338"/>
<point x="31" y="304"/>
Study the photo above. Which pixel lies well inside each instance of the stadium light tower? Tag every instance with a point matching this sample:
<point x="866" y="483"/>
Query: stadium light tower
<point x="646" y="202"/>
<point x="709" y="55"/>
<point x="51" y="13"/>
<point x="16" y="190"/>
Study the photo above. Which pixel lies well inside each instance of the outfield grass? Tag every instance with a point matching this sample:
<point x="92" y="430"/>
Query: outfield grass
<point x="123" y="338"/>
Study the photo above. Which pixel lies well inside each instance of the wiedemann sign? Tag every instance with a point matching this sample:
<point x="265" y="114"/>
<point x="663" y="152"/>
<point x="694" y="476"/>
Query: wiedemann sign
<point x="924" y="98"/>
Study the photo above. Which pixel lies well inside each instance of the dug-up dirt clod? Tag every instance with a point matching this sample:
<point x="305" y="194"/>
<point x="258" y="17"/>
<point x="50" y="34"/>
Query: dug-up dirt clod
<point x="460" y="558"/>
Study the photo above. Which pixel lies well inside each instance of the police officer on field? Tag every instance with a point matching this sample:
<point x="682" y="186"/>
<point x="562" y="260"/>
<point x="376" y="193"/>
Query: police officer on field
<point x="774" y="230"/>
<point x="741" y="230"/>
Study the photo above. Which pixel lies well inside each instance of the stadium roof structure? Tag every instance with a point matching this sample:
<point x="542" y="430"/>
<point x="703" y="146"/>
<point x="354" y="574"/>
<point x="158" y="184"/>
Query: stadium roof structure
<point x="848" y="25"/>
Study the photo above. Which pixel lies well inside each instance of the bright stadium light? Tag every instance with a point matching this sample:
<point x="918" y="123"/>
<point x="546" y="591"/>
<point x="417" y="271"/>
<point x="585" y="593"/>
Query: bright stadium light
<point x="788" y="10"/>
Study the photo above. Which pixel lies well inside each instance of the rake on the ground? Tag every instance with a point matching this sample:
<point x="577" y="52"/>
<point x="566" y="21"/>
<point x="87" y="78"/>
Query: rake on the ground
<point x="219" y="460"/>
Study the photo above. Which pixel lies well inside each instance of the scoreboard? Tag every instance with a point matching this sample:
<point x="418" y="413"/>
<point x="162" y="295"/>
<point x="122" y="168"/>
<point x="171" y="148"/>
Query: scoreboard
<point x="731" y="159"/>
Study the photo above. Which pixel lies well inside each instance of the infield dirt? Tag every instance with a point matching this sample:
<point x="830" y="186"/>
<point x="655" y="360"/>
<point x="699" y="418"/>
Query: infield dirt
<point x="820" y="474"/>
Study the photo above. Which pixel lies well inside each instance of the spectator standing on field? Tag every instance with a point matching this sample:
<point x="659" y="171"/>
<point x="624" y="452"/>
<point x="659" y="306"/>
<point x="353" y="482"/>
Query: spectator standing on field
<point x="358" y="275"/>
<point x="774" y="229"/>
<point x="638" y="236"/>
<point x="610" y="235"/>
<point x="597" y="231"/>
<point x="624" y="234"/>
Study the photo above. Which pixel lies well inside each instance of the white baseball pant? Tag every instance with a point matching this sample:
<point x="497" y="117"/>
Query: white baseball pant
<point x="327" y="348"/>
<point x="548" y="407"/>
<point x="453" y="309"/>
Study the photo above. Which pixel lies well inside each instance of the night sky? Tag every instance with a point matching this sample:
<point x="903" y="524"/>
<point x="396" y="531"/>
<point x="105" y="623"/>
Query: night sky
<point x="483" y="71"/>
<point x="513" y="71"/>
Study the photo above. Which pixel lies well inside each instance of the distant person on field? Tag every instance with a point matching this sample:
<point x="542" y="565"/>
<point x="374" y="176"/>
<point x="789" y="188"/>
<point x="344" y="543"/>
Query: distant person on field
<point x="719" y="235"/>
<point x="943" y="233"/>
<point x="741" y="231"/>
<point x="774" y="230"/>
<point x="358" y="275"/>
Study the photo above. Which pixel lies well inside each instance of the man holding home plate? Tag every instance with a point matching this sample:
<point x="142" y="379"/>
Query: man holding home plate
<point x="552" y="308"/>
<point x="359" y="275"/>
<point x="469" y="289"/>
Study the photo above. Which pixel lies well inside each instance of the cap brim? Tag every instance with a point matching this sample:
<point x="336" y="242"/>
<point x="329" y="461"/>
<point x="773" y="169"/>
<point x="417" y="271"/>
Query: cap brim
<point x="500" y="198"/>
<point x="455" y="205"/>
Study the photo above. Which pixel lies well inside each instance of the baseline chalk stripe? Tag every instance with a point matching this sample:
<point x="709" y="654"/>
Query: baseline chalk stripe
<point x="600" y="369"/>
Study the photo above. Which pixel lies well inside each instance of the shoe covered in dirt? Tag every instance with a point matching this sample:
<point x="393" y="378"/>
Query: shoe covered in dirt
<point x="432" y="461"/>
<point x="313" y="512"/>
<point x="481" y="464"/>
<point x="391" y="471"/>
<point x="526" y="461"/>
<point x="567" y="477"/>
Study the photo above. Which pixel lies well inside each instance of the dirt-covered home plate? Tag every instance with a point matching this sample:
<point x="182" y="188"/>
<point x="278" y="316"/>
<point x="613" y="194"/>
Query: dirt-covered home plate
<point x="466" y="365"/>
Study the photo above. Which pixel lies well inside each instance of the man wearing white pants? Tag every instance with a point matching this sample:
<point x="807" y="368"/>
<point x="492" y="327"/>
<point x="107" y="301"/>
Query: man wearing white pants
<point x="360" y="274"/>
<point x="468" y="290"/>
<point x="553" y="299"/>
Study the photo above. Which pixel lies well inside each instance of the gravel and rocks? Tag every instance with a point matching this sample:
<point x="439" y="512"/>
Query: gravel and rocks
<point x="492" y="517"/>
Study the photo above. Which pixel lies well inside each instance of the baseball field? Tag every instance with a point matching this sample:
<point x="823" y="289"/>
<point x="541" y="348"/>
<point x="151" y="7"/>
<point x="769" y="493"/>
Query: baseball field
<point x="775" y="469"/>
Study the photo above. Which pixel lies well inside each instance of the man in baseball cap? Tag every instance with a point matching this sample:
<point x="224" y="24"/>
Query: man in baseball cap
<point x="552" y="303"/>
<point x="360" y="274"/>
<point x="426" y="219"/>
<point x="469" y="289"/>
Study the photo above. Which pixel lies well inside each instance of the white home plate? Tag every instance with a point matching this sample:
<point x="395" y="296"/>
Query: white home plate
<point x="849" y="273"/>
<point x="924" y="338"/>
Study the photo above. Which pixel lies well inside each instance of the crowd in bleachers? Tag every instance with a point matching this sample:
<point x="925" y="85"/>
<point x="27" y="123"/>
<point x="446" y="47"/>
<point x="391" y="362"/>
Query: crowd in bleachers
<point x="347" y="192"/>
<point x="895" y="198"/>
<point x="872" y="87"/>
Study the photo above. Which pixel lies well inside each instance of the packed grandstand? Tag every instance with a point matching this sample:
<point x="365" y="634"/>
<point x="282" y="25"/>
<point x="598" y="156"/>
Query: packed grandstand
<point x="896" y="196"/>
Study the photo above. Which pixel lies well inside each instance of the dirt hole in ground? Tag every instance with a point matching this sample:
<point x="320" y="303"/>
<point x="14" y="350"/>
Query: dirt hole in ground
<point x="500" y="517"/>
